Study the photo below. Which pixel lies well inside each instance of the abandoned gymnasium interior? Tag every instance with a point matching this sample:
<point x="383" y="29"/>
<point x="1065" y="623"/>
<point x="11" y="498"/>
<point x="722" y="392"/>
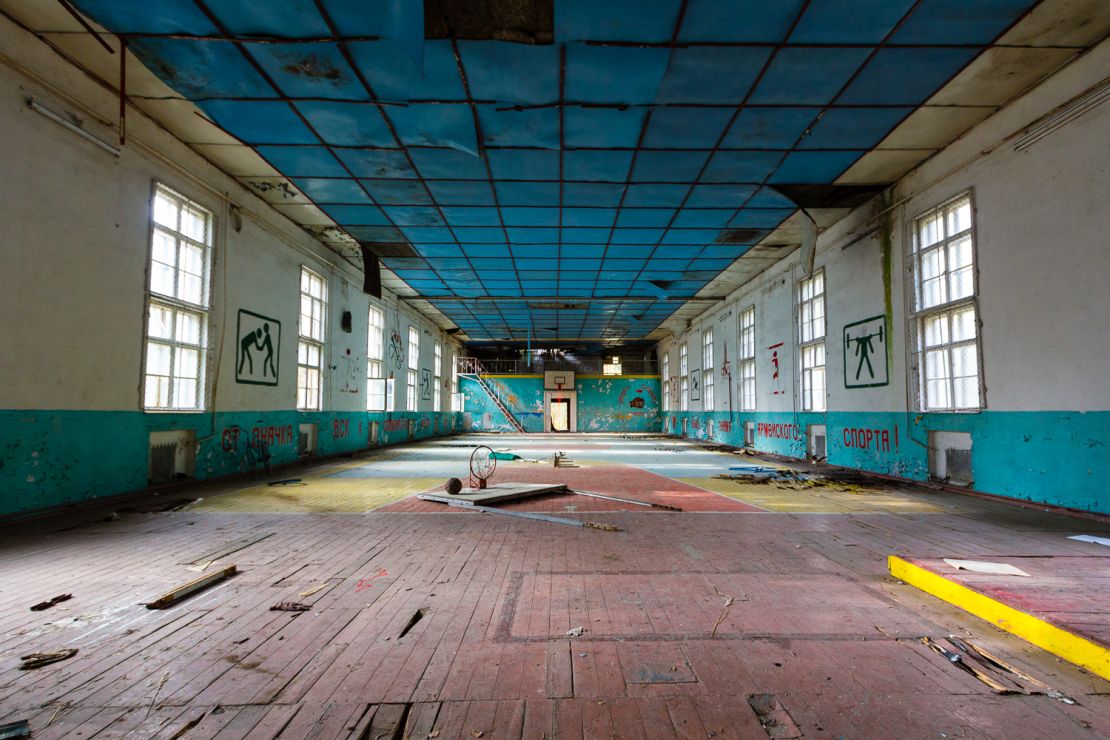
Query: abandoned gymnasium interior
<point x="385" y="369"/>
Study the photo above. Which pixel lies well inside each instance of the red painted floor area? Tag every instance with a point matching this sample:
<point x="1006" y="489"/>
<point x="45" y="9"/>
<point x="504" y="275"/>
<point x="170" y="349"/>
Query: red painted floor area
<point x="1067" y="591"/>
<point x="616" y="480"/>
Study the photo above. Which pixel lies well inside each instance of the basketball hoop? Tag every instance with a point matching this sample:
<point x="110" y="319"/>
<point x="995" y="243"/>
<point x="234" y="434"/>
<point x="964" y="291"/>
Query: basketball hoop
<point x="482" y="465"/>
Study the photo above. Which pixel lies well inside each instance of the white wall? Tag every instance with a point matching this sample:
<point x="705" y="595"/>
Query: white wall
<point x="1042" y="229"/>
<point x="74" y="251"/>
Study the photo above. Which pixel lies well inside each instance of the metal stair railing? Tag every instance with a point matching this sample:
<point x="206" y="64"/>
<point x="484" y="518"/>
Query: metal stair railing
<point x="473" y="369"/>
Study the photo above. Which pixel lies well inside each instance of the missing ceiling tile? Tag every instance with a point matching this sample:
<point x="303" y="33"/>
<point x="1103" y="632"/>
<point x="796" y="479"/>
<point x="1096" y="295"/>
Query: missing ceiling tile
<point x="518" y="21"/>
<point x="829" y="196"/>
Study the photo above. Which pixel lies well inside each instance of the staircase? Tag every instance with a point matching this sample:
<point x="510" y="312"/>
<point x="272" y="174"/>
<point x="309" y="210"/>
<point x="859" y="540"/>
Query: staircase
<point x="473" y="370"/>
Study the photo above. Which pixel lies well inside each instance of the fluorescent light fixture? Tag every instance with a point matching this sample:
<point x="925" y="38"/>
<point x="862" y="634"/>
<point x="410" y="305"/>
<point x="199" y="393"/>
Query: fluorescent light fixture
<point x="61" y="120"/>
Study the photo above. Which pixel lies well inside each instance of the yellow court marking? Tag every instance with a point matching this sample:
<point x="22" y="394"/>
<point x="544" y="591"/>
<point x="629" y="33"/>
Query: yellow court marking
<point x="812" y="500"/>
<point x="1060" y="642"/>
<point x="345" y="495"/>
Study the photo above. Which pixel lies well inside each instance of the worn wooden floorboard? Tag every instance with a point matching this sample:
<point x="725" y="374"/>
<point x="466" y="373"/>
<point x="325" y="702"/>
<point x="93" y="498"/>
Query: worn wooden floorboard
<point x="459" y="623"/>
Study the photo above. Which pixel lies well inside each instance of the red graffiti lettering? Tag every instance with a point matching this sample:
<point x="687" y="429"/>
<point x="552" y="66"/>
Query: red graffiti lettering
<point x="340" y="428"/>
<point x="866" y="439"/>
<point x="778" y="431"/>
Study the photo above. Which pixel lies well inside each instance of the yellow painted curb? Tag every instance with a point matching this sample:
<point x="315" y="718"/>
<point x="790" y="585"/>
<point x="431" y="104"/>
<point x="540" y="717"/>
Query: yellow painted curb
<point x="1069" y="646"/>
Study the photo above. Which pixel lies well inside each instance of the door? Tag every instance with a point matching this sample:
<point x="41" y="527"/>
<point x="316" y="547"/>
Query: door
<point x="560" y="414"/>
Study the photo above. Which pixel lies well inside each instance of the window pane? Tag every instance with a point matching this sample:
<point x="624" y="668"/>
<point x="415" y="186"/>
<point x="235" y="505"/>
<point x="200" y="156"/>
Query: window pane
<point x="936" y="394"/>
<point x="929" y="231"/>
<point x="192" y="259"/>
<point x="187" y="363"/>
<point x="157" y="391"/>
<point x="959" y="216"/>
<point x="963" y="325"/>
<point x="936" y="330"/>
<point x="157" y="358"/>
<point x="194" y="225"/>
<point x="161" y="279"/>
<point x="965" y="393"/>
<point x="313" y="355"/>
<point x="190" y="288"/>
<point x="936" y="365"/>
<point x="964" y="362"/>
<point x="185" y="393"/>
<point x="160" y="325"/>
<point x="932" y="263"/>
<point x="164" y="248"/>
<point x="188" y="327"/>
<point x="165" y="211"/>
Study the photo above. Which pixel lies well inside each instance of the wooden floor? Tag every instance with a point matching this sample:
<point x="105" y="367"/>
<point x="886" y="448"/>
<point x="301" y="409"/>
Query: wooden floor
<point x="428" y="621"/>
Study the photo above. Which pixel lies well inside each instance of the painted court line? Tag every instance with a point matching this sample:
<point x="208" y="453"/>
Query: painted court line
<point x="1067" y="645"/>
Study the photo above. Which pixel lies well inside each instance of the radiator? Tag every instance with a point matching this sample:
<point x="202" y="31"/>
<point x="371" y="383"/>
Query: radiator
<point x="163" y="459"/>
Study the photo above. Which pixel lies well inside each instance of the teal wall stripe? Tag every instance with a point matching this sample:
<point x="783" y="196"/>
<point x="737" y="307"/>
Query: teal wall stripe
<point x="50" y="458"/>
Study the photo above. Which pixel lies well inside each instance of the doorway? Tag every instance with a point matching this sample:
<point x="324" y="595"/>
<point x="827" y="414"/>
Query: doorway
<point x="560" y="411"/>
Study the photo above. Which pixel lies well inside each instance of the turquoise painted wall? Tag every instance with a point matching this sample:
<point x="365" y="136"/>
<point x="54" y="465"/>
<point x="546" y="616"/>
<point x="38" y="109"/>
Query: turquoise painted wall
<point x="1052" y="457"/>
<point x="618" y="404"/>
<point x="605" y="403"/>
<point x="50" y="458"/>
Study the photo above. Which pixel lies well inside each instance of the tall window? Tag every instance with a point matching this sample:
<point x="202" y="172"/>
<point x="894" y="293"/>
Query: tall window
<point x="747" y="359"/>
<point x="666" y="384"/>
<point x="683" y="370"/>
<point x="414" y="360"/>
<point x="456" y="399"/>
<point x="375" y="345"/>
<point x="707" y="370"/>
<point x="310" y="348"/>
<point x="177" y="303"/>
<point x="811" y="333"/>
<point x="437" y="380"/>
<point x="946" y="352"/>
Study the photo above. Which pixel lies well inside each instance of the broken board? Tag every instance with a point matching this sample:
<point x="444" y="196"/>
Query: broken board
<point x="495" y="493"/>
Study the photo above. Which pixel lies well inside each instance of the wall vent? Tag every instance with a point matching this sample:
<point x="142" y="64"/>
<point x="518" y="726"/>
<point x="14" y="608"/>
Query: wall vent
<point x="749" y="434"/>
<point x="375" y="426"/>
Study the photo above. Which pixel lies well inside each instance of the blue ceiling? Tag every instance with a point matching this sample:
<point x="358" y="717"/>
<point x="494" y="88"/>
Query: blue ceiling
<point x="623" y="161"/>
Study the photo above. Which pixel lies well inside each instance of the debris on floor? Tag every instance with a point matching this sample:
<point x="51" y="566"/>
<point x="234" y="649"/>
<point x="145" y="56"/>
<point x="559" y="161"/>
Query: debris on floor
<point x="593" y="494"/>
<point x="843" y="481"/>
<point x="290" y="606"/>
<point x="998" y="663"/>
<point x="1091" y="538"/>
<point x="773" y="716"/>
<point x="20" y="728"/>
<point x="576" y="631"/>
<point x="37" y="660"/>
<point x="285" y="482"/>
<point x="181" y="592"/>
<point x="504" y="455"/>
<point x="982" y="566"/>
<point x="560" y="460"/>
<point x="314" y="589"/>
<point x="47" y="604"/>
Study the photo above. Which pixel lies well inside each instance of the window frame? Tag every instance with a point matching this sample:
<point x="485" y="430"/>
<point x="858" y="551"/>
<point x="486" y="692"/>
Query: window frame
<point x="308" y="342"/>
<point x="176" y="305"/>
<point x="747" y="361"/>
<point x="707" y="365"/>
<point x="412" y="400"/>
<point x="917" y="316"/>
<point x="437" y="378"/>
<point x="666" y="381"/>
<point x="816" y="342"/>
<point x="375" y="363"/>
<point x="684" y="376"/>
